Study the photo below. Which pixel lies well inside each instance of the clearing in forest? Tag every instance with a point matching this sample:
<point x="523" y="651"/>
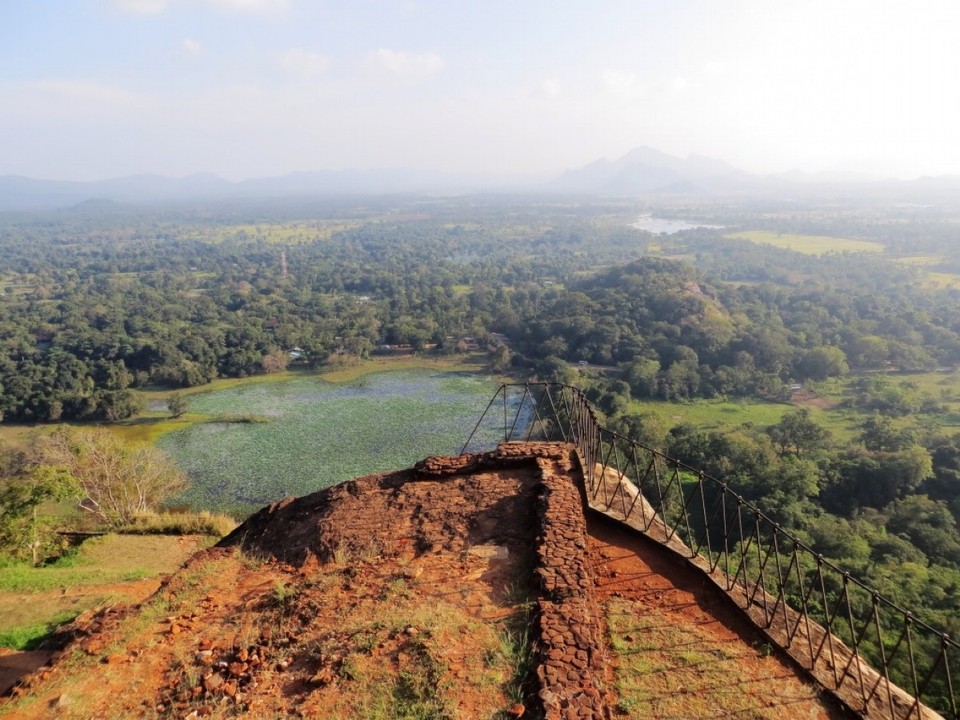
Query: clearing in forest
<point x="807" y="244"/>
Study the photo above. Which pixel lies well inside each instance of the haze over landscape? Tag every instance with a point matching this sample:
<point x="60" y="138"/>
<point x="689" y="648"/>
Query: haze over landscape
<point x="251" y="88"/>
<point x="263" y="263"/>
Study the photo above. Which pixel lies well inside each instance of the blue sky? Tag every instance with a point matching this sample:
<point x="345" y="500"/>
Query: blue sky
<point x="244" y="88"/>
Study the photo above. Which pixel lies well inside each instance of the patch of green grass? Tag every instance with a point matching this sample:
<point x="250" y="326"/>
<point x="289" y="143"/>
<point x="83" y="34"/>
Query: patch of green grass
<point x="417" y="691"/>
<point x="516" y="651"/>
<point x="149" y="428"/>
<point x="204" y="522"/>
<point x="16" y="284"/>
<point x="35" y="600"/>
<point x="943" y="388"/>
<point x="839" y="417"/>
<point x="17" y="436"/>
<point x="436" y="363"/>
<point x="26" y="579"/>
<point x="936" y="279"/>
<point x="943" y="281"/>
<point x="29" y="637"/>
<point x="714" y="414"/>
<point x="100" y="560"/>
<point x="292" y="233"/>
<point x="807" y="244"/>
<point x="722" y="415"/>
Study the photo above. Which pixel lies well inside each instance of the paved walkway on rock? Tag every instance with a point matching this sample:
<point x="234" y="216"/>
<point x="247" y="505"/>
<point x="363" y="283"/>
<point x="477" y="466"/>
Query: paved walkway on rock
<point x="679" y="648"/>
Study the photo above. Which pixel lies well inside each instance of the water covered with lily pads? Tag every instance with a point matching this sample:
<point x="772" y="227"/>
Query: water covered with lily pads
<point x="309" y="434"/>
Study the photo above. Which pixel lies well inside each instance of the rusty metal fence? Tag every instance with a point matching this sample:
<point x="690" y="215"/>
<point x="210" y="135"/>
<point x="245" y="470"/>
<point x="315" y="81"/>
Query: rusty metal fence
<point x="879" y="657"/>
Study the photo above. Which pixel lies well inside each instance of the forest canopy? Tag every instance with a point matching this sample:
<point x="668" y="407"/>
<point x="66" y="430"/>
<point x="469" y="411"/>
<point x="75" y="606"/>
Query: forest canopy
<point x="100" y="304"/>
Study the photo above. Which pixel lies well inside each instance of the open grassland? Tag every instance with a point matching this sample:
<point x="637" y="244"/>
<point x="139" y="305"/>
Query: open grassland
<point x="17" y="436"/>
<point x="943" y="281"/>
<point x="439" y="363"/>
<point x="708" y="415"/>
<point x="934" y="279"/>
<point x="14" y="284"/>
<point x="274" y="233"/>
<point x="718" y="415"/>
<point x="713" y="414"/>
<point x="807" y="244"/>
<point x="306" y="434"/>
<point x="919" y="260"/>
<point x="34" y="600"/>
<point x="934" y="398"/>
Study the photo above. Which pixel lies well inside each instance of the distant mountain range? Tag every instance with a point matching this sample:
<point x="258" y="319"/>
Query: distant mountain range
<point x="643" y="171"/>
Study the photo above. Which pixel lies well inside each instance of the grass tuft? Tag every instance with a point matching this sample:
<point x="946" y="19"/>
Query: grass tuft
<point x="185" y="523"/>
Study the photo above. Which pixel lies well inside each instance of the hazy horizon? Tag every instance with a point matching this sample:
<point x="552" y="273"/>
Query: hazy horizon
<point x="253" y="88"/>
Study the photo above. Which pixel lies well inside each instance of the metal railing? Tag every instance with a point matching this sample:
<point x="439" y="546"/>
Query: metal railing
<point x="830" y="622"/>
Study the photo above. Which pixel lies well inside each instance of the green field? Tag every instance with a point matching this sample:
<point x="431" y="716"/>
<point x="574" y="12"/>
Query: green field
<point x="720" y="414"/>
<point x="710" y="415"/>
<point x="308" y="433"/>
<point x="943" y="281"/>
<point x="273" y="233"/>
<point x="935" y="279"/>
<point x="104" y="569"/>
<point x="807" y="244"/>
<point x="831" y="408"/>
<point x="14" y="284"/>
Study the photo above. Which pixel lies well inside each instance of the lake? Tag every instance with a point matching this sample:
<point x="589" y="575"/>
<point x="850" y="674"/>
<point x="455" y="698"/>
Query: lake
<point x="664" y="225"/>
<point x="309" y="434"/>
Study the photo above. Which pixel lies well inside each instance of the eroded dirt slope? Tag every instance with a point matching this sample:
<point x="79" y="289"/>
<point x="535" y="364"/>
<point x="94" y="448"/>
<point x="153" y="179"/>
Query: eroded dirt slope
<point x="416" y="594"/>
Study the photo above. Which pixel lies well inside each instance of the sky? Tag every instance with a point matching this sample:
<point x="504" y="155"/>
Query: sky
<point x="94" y="89"/>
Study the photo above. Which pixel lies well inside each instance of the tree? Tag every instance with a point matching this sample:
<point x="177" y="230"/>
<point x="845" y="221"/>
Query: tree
<point x="177" y="404"/>
<point x="648" y="429"/>
<point x="118" y="479"/>
<point x="821" y="363"/>
<point x="642" y="377"/>
<point x="859" y="478"/>
<point x="879" y="434"/>
<point x="23" y="527"/>
<point x="275" y="361"/>
<point x="798" y="433"/>
<point x="929" y="526"/>
<point x="119" y="404"/>
<point x="500" y="359"/>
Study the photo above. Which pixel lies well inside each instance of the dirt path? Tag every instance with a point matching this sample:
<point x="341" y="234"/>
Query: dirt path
<point x="679" y="649"/>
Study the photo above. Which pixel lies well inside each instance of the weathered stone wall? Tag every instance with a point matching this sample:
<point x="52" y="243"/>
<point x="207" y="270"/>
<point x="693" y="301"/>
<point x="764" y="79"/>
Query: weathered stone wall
<point x="569" y="651"/>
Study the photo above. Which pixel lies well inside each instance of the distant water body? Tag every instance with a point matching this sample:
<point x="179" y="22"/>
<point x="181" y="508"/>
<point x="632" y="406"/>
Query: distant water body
<point x="663" y="225"/>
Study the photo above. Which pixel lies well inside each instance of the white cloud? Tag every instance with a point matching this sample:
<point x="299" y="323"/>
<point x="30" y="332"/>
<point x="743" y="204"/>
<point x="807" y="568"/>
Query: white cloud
<point x="714" y="68"/>
<point x="142" y="7"/>
<point x="155" y="7"/>
<point x="248" y="5"/>
<point x="191" y="47"/>
<point x="400" y="63"/>
<point x="86" y="92"/>
<point x="551" y="87"/>
<point x="298" y="61"/>
<point x="617" y="81"/>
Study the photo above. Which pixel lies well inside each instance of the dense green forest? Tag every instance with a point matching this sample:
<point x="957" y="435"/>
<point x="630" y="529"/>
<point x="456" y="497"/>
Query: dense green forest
<point x="101" y="301"/>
